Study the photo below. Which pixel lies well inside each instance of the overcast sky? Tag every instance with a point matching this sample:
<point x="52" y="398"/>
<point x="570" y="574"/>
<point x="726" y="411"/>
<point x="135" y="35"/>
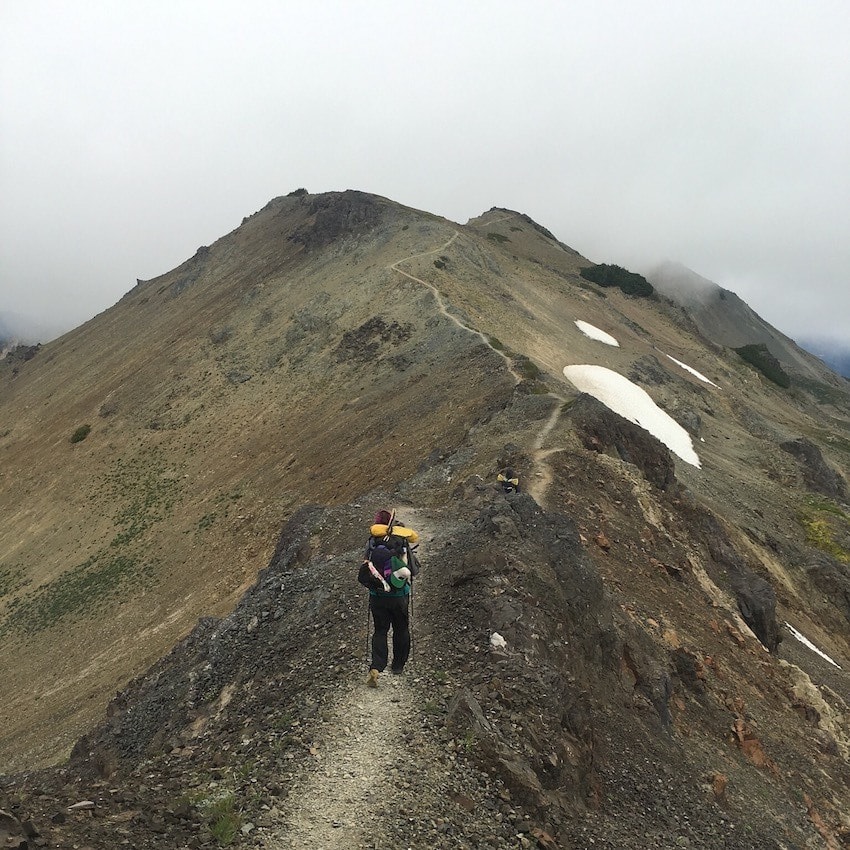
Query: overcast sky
<point x="716" y="134"/>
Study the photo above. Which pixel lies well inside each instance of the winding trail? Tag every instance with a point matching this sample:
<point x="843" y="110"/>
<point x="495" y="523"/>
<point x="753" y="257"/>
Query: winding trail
<point x="540" y="477"/>
<point x="337" y="805"/>
<point x="441" y="302"/>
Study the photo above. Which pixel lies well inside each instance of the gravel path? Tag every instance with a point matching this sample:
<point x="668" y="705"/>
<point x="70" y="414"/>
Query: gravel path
<point x="337" y="805"/>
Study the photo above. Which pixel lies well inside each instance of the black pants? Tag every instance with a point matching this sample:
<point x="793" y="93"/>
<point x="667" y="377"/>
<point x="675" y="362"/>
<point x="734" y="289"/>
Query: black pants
<point x="390" y="611"/>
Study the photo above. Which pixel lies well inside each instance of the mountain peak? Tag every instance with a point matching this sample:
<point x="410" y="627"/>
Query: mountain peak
<point x="188" y="480"/>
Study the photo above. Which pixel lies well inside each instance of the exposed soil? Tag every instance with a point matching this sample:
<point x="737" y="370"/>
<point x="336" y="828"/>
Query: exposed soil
<point x="591" y="664"/>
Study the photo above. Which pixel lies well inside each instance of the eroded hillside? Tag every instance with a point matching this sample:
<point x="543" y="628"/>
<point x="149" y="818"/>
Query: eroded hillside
<point x="650" y="693"/>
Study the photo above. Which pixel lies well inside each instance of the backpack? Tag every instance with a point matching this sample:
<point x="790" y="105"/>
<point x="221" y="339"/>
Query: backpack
<point x="380" y="570"/>
<point x="390" y="552"/>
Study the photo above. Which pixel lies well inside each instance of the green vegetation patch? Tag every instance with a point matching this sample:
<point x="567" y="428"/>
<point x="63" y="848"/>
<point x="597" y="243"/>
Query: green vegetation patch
<point x="526" y="367"/>
<point x="825" y="524"/>
<point x="145" y="492"/>
<point x="629" y="282"/>
<point x="758" y="355"/>
<point x="222" y="816"/>
<point x="500" y="238"/>
<point x="12" y="579"/>
<point x="824" y="393"/>
<point x="84" y="590"/>
<point x="80" y="434"/>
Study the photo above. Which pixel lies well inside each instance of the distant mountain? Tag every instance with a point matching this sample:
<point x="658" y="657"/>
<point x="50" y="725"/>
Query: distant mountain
<point x="834" y="354"/>
<point x="725" y="319"/>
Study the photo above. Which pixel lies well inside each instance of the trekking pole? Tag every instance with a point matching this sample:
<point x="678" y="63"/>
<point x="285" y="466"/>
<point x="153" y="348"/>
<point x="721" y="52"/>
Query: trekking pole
<point x="368" y="617"/>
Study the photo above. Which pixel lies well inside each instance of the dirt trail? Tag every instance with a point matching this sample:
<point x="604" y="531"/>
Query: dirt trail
<point x="441" y="303"/>
<point x="541" y="474"/>
<point x="361" y="734"/>
<point x="356" y="756"/>
<point x="335" y="806"/>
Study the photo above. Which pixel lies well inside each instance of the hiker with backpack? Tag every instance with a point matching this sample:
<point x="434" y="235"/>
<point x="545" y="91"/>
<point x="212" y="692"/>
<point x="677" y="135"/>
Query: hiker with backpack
<point x="509" y="481"/>
<point x="388" y="569"/>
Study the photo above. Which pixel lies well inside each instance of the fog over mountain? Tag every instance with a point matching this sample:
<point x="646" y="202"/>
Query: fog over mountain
<point x="16" y="329"/>
<point x="835" y="355"/>
<point x="711" y="134"/>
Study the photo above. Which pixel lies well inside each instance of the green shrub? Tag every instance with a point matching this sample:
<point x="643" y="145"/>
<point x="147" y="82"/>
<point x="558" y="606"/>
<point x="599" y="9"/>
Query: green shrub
<point x="629" y="282"/>
<point x="80" y="434"/>
<point x="498" y="237"/>
<point x="758" y="355"/>
<point x="223" y="817"/>
<point x="527" y="368"/>
<point x="820" y="535"/>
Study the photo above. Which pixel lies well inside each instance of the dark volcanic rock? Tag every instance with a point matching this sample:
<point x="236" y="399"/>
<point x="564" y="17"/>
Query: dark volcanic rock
<point x="366" y="342"/>
<point x="833" y="578"/>
<point x="755" y="596"/>
<point x="647" y="370"/>
<point x="757" y="604"/>
<point x="160" y="710"/>
<point x="817" y="474"/>
<point x="602" y="430"/>
<point x="338" y="214"/>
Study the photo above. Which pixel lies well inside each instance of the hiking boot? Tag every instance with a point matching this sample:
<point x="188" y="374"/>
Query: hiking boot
<point x="372" y="679"/>
<point x="396" y="671"/>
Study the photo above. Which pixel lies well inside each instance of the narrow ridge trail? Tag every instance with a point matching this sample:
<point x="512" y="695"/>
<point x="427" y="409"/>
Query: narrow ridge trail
<point x="540" y="476"/>
<point x="355" y="756"/>
<point x="357" y="753"/>
<point x="361" y="738"/>
<point x="357" y="750"/>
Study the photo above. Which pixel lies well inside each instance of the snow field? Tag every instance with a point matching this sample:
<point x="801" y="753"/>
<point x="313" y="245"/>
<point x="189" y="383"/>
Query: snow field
<point x="691" y="370"/>
<point x="806" y="642"/>
<point x="594" y="333"/>
<point x="633" y="403"/>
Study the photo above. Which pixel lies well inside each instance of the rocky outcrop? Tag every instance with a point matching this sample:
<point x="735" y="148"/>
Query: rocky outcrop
<point x="168" y="705"/>
<point x="338" y="214"/>
<point x="817" y="474"/>
<point x="755" y="596"/>
<point x="602" y="430"/>
<point x="832" y="578"/>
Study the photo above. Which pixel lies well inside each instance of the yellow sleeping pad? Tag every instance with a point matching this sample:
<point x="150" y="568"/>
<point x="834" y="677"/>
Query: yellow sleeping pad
<point x="379" y="530"/>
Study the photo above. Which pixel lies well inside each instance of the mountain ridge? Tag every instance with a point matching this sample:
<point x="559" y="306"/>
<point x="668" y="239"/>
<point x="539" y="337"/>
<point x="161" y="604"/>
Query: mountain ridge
<point x="335" y="341"/>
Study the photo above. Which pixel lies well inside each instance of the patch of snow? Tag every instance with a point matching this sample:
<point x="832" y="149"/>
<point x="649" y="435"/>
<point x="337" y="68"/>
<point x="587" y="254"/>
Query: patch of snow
<point x="804" y="640"/>
<point x="594" y="333"/>
<point x="633" y="403"/>
<point x="692" y="371"/>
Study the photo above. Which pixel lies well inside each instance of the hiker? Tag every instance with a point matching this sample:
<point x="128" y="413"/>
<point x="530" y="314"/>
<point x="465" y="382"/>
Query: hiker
<point x="509" y="481"/>
<point x="388" y="569"/>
